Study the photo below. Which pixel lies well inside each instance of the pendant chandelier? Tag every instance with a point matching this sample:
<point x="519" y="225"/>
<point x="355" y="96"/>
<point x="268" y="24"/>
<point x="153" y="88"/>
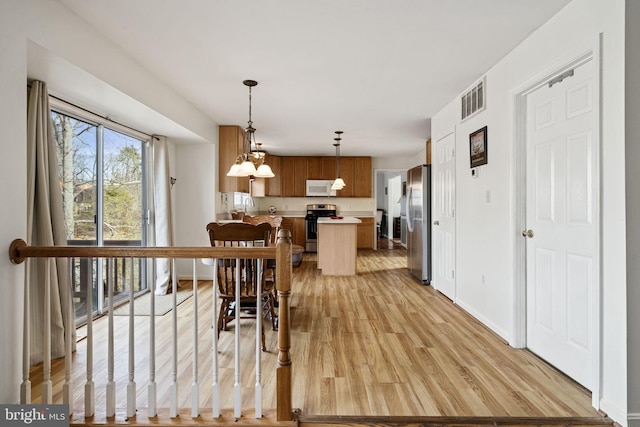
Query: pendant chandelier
<point x="245" y="164"/>
<point x="338" y="184"/>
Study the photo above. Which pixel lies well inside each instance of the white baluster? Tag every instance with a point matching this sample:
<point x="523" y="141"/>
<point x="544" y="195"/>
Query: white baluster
<point x="111" y="384"/>
<point x="195" y="393"/>
<point x="173" y="388"/>
<point x="69" y="327"/>
<point x="258" y="386"/>
<point x="152" y="389"/>
<point x="25" y="387"/>
<point x="131" y="386"/>
<point x="215" y="387"/>
<point x="89" y="387"/>
<point x="47" y="385"/>
<point x="237" y="387"/>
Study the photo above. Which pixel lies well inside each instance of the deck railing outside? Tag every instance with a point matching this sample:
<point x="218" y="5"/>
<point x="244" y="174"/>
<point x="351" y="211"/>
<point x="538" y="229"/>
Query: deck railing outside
<point x="281" y="252"/>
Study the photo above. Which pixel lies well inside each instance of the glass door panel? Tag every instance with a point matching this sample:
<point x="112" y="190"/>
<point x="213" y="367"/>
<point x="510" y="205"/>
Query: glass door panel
<point x="103" y="189"/>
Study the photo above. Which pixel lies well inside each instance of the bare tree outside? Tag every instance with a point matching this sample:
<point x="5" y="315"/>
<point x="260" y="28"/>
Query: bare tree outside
<point x="77" y="170"/>
<point x="121" y="172"/>
<point x="122" y="179"/>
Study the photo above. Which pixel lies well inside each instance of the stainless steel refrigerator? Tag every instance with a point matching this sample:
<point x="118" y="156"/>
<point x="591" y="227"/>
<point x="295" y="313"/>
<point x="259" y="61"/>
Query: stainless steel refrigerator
<point x="419" y="223"/>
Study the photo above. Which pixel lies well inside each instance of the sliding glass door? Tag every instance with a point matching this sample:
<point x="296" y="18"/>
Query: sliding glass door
<point x="103" y="183"/>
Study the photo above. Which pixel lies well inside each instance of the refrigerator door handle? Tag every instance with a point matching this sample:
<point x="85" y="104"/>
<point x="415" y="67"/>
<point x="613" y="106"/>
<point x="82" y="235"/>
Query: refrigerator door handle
<point x="408" y="210"/>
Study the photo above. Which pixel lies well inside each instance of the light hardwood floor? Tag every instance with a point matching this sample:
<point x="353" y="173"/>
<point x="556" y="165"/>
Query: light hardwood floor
<point x="378" y="343"/>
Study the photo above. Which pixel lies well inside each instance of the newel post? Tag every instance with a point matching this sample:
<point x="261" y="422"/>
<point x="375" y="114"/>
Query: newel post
<point x="283" y="285"/>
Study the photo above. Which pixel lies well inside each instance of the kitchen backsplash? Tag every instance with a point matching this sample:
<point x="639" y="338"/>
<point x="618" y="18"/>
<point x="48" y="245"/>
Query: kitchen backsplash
<point x="299" y="204"/>
<point x="228" y="202"/>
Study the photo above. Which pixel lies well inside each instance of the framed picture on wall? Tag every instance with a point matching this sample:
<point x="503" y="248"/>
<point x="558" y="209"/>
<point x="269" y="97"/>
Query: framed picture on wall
<point x="478" y="147"/>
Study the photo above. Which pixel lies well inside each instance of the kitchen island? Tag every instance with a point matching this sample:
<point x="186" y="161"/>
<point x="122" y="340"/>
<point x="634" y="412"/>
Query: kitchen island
<point x="337" y="245"/>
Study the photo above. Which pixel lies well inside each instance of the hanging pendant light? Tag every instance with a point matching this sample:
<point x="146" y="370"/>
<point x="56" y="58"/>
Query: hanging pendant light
<point x="338" y="184"/>
<point x="264" y="170"/>
<point x="245" y="164"/>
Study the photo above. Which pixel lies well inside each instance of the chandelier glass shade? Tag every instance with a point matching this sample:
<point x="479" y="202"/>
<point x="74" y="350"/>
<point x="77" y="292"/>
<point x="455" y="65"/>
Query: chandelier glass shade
<point x="251" y="163"/>
<point x="338" y="184"/>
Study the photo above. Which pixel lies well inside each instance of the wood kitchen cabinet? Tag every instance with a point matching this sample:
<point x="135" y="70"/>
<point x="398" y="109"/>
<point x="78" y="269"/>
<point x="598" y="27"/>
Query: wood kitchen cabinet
<point x="300" y="176"/>
<point x="287" y="187"/>
<point x="274" y="184"/>
<point x="363" y="177"/>
<point x="231" y="141"/>
<point x="356" y="173"/>
<point x="295" y="225"/>
<point x="314" y="168"/>
<point x="347" y="174"/>
<point x="322" y="167"/>
<point x="328" y="168"/>
<point x="295" y="170"/>
<point x="365" y="233"/>
<point x="294" y="176"/>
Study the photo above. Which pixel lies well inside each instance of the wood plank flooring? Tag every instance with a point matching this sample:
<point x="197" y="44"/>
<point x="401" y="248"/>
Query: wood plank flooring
<point x="375" y="344"/>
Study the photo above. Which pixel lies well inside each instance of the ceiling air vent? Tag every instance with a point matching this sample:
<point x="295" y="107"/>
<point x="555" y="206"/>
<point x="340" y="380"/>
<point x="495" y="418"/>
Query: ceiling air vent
<point x="474" y="99"/>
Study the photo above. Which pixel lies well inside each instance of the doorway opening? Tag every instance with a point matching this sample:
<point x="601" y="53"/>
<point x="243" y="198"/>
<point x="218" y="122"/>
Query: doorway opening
<point x="390" y="206"/>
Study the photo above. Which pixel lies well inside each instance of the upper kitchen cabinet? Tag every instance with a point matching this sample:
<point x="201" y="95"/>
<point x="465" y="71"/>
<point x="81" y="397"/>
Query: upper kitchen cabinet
<point x="231" y="141"/>
<point x="347" y="174"/>
<point x="314" y="168"/>
<point x="328" y="168"/>
<point x="294" y="176"/>
<point x="363" y="177"/>
<point x="321" y="167"/>
<point x="287" y="188"/>
<point x="274" y="184"/>
<point x="295" y="170"/>
<point x="300" y="176"/>
<point x="356" y="173"/>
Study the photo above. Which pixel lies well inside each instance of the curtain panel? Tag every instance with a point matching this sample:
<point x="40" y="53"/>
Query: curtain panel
<point x="45" y="227"/>
<point x="163" y="221"/>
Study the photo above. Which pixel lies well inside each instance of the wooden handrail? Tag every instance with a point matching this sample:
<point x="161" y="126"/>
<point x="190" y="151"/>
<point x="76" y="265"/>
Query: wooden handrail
<point x="281" y="252"/>
<point x="19" y="250"/>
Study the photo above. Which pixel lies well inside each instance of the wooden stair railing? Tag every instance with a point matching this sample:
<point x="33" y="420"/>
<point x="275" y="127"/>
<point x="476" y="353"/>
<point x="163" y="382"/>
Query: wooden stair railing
<point x="19" y="251"/>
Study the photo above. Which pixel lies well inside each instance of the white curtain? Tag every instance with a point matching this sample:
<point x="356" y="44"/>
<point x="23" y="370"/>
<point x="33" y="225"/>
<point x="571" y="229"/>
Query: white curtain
<point x="45" y="226"/>
<point x="162" y="210"/>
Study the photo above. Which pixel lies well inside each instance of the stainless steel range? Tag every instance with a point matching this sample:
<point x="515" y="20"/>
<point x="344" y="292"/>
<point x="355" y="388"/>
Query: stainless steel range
<point x="311" y="224"/>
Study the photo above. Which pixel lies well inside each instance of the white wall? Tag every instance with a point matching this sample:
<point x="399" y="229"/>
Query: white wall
<point x="13" y="214"/>
<point x="194" y="201"/>
<point x="485" y="231"/>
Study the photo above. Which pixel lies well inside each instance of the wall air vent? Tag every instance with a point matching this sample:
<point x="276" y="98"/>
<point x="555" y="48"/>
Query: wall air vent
<point x="474" y="99"/>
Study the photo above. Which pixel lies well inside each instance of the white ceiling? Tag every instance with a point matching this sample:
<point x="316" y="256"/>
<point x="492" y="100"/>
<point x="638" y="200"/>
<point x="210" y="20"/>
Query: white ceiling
<point x="375" y="69"/>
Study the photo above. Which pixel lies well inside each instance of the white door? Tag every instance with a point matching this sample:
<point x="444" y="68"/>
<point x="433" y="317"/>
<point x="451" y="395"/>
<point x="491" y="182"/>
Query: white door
<point x="443" y="216"/>
<point x="562" y="221"/>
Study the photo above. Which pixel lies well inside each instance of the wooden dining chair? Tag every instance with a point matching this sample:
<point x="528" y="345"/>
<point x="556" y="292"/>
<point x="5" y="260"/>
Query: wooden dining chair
<point x="275" y="221"/>
<point x="239" y="235"/>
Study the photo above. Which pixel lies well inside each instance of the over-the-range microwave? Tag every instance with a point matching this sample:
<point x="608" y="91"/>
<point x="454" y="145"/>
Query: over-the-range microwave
<point x="320" y="188"/>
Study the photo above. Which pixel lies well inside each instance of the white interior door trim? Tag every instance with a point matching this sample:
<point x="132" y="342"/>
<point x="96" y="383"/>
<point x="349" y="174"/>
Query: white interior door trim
<point x="519" y="206"/>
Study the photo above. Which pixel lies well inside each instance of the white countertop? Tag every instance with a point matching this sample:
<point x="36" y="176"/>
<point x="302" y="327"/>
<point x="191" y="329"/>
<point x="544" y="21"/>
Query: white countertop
<point x="343" y="220"/>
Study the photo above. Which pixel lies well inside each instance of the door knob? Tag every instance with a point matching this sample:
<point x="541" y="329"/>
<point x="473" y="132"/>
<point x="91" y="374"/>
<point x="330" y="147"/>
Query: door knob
<point x="527" y="233"/>
<point x="436" y="222"/>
